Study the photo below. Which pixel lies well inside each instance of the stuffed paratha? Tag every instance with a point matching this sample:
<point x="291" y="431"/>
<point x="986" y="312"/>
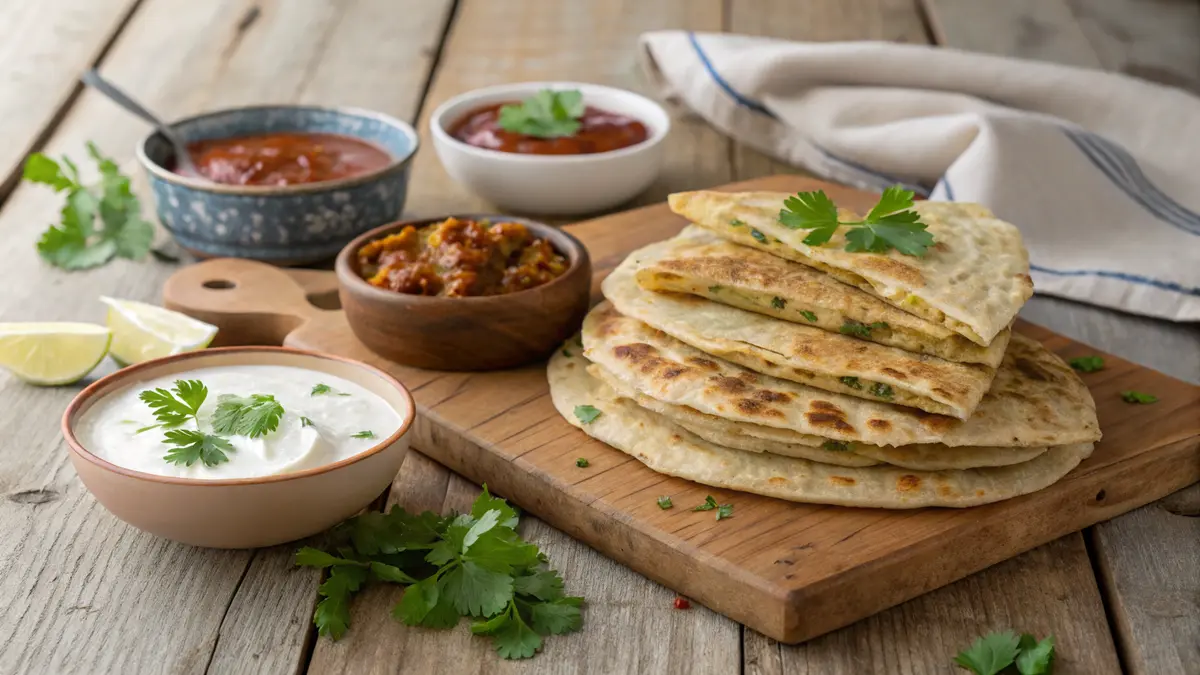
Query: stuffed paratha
<point x="818" y="358"/>
<point x="756" y="438"/>
<point x="973" y="280"/>
<point x="701" y="263"/>
<point x="1035" y="399"/>
<point x="667" y="448"/>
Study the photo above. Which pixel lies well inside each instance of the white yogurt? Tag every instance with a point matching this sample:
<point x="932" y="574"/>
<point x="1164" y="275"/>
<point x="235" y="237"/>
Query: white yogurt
<point x="108" y="429"/>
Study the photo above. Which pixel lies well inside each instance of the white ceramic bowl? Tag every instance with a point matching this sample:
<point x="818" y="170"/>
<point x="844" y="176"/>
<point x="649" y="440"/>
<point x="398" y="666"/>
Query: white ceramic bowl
<point x="243" y="512"/>
<point x="552" y="184"/>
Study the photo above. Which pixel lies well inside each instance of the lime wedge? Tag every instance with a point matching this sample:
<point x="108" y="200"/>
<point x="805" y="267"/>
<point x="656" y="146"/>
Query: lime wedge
<point x="52" y="353"/>
<point x="142" y="332"/>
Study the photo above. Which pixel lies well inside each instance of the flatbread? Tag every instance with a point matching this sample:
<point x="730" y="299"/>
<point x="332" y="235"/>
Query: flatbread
<point x="818" y="358"/>
<point x="972" y="280"/>
<point x="669" y="449"/>
<point x="701" y="263"/>
<point x="757" y="438"/>
<point x="1035" y="399"/>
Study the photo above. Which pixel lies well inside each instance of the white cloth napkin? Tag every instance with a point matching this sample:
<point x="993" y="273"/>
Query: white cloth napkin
<point x="1101" y="172"/>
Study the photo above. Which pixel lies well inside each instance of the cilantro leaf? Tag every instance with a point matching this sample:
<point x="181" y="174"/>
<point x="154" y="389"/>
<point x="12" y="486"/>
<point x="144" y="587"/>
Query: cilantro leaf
<point x="708" y="505"/>
<point x="758" y="236"/>
<point x="1035" y="657"/>
<point x="808" y="315"/>
<point x="889" y="224"/>
<point x="484" y="523"/>
<point x="332" y="615"/>
<point x="476" y="591"/>
<point x="486" y="502"/>
<point x="586" y="414"/>
<point x="386" y="572"/>
<point x="851" y="382"/>
<point x="40" y="168"/>
<point x="1087" y="364"/>
<point x="514" y="639"/>
<point x="810" y="211"/>
<point x="546" y="114"/>
<point x="76" y="242"/>
<point x="664" y="503"/>
<point x="192" y="446"/>
<point x="582" y="463"/>
<point x="556" y="618"/>
<point x="305" y="422"/>
<point x="990" y="654"/>
<point x="319" y="389"/>
<point x="363" y="434"/>
<point x="418" y="599"/>
<point x="1138" y="397"/>
<point x="724" y="511"/>
<point x="253" y="416"/>
<point x="545" y="585"/>
<point x="835" y="446"/>
<point x="173" y="408"/>
<point x="778" y="302"/>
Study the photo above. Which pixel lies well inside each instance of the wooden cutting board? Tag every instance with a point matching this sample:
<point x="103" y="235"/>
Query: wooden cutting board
<point x="791" y="571"/>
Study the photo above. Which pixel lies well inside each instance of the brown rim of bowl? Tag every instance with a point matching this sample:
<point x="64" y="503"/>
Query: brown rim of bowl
<point x="396" y="165"/>
<point x="90" y="392"/>
<point x="344" y="267"/>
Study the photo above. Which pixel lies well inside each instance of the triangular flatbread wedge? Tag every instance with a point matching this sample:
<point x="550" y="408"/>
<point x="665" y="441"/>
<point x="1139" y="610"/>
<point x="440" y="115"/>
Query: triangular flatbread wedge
<point x="973" y="280"/>
<point x="818" y="358"/>
<point x="701" y="263"/>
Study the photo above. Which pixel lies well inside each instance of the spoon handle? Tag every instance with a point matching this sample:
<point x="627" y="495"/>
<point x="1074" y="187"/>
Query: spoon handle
<point x="93" y="79"/>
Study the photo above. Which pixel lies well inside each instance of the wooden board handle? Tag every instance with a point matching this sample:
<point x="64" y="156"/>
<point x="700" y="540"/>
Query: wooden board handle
<point x="252" y="303"/>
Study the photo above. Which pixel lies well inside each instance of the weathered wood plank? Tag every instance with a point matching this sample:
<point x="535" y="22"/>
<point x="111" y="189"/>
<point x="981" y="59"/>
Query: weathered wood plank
<point x="492" y="43"/>
<point x="1041" y="592"/>
<point x="1149" y="563"/>
<point x="44" y="46"/>
<point x="630" y="625"/>
<point x="1152" y="39"/>
<point x="95" y="595"/>
<point x="1043" y="30"/>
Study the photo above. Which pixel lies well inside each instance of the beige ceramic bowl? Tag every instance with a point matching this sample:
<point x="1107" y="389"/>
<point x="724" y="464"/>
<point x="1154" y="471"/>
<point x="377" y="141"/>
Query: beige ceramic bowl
<point x="243" y="512"/>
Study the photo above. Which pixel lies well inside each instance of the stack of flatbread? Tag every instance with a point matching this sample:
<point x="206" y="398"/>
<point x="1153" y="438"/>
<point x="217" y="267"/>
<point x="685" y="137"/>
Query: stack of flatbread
<point x="737" y="356"/>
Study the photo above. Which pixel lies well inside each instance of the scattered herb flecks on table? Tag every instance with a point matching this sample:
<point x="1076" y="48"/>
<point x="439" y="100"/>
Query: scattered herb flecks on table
<point x="98" y="222"/>
<point x="891" y="223"/>
<point x="473" y="565"/>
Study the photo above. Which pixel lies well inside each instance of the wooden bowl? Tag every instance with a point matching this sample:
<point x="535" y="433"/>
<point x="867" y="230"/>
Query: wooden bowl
<point x="242" y="512"/>
<point x="474" y="333"/>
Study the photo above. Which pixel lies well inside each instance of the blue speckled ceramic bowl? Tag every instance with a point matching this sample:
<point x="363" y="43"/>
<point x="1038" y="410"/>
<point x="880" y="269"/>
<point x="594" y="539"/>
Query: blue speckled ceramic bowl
<point x="286" y="225"/>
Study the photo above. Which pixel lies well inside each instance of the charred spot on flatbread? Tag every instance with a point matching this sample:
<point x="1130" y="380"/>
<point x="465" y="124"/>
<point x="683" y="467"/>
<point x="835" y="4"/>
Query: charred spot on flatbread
<point x="908" y="483"/>
<point x="706" y="364"/>
<point x="825" y="415"/>
<point x="750" y="406"/>
<point x="842" y="480"/>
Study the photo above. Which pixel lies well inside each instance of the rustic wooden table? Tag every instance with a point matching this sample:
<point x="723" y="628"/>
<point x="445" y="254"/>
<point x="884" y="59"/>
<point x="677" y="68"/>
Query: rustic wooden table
<point x="85" y="593"/>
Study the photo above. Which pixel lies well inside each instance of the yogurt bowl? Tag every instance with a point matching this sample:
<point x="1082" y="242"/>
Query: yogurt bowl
<point x="313" y="469"/>
<point x="567" y="184"/>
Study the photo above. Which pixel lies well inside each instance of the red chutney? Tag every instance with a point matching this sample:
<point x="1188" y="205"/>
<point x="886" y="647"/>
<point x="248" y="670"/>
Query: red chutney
<point x="600" y="131"/>
<point x="285" y="158"/>
<point x="460" y="258"/>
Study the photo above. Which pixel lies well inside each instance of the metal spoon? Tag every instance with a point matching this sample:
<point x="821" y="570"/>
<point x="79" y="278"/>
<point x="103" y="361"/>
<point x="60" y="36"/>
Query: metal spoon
<point x="183" y="160"/>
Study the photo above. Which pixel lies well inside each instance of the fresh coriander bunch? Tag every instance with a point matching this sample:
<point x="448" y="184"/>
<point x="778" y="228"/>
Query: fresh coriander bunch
<point x="473" y="565"/>
<point x="99" y="222"/>
<point x="891" y="223"/>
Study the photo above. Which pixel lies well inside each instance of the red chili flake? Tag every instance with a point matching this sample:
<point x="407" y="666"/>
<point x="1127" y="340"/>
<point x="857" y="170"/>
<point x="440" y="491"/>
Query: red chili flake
<point x="682" y="603"/>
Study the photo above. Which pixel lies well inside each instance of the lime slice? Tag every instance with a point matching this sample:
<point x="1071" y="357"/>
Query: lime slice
<point x="52" y="353"/>
<point x="142" y="332"/>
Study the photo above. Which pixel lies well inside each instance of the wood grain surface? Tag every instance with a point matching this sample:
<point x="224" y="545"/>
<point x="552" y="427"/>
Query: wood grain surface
<point x="182" y="610"/>
<point x="783" y="560"/>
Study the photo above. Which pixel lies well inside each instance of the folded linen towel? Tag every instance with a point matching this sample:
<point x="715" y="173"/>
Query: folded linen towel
<point x="1100" y="171"/>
